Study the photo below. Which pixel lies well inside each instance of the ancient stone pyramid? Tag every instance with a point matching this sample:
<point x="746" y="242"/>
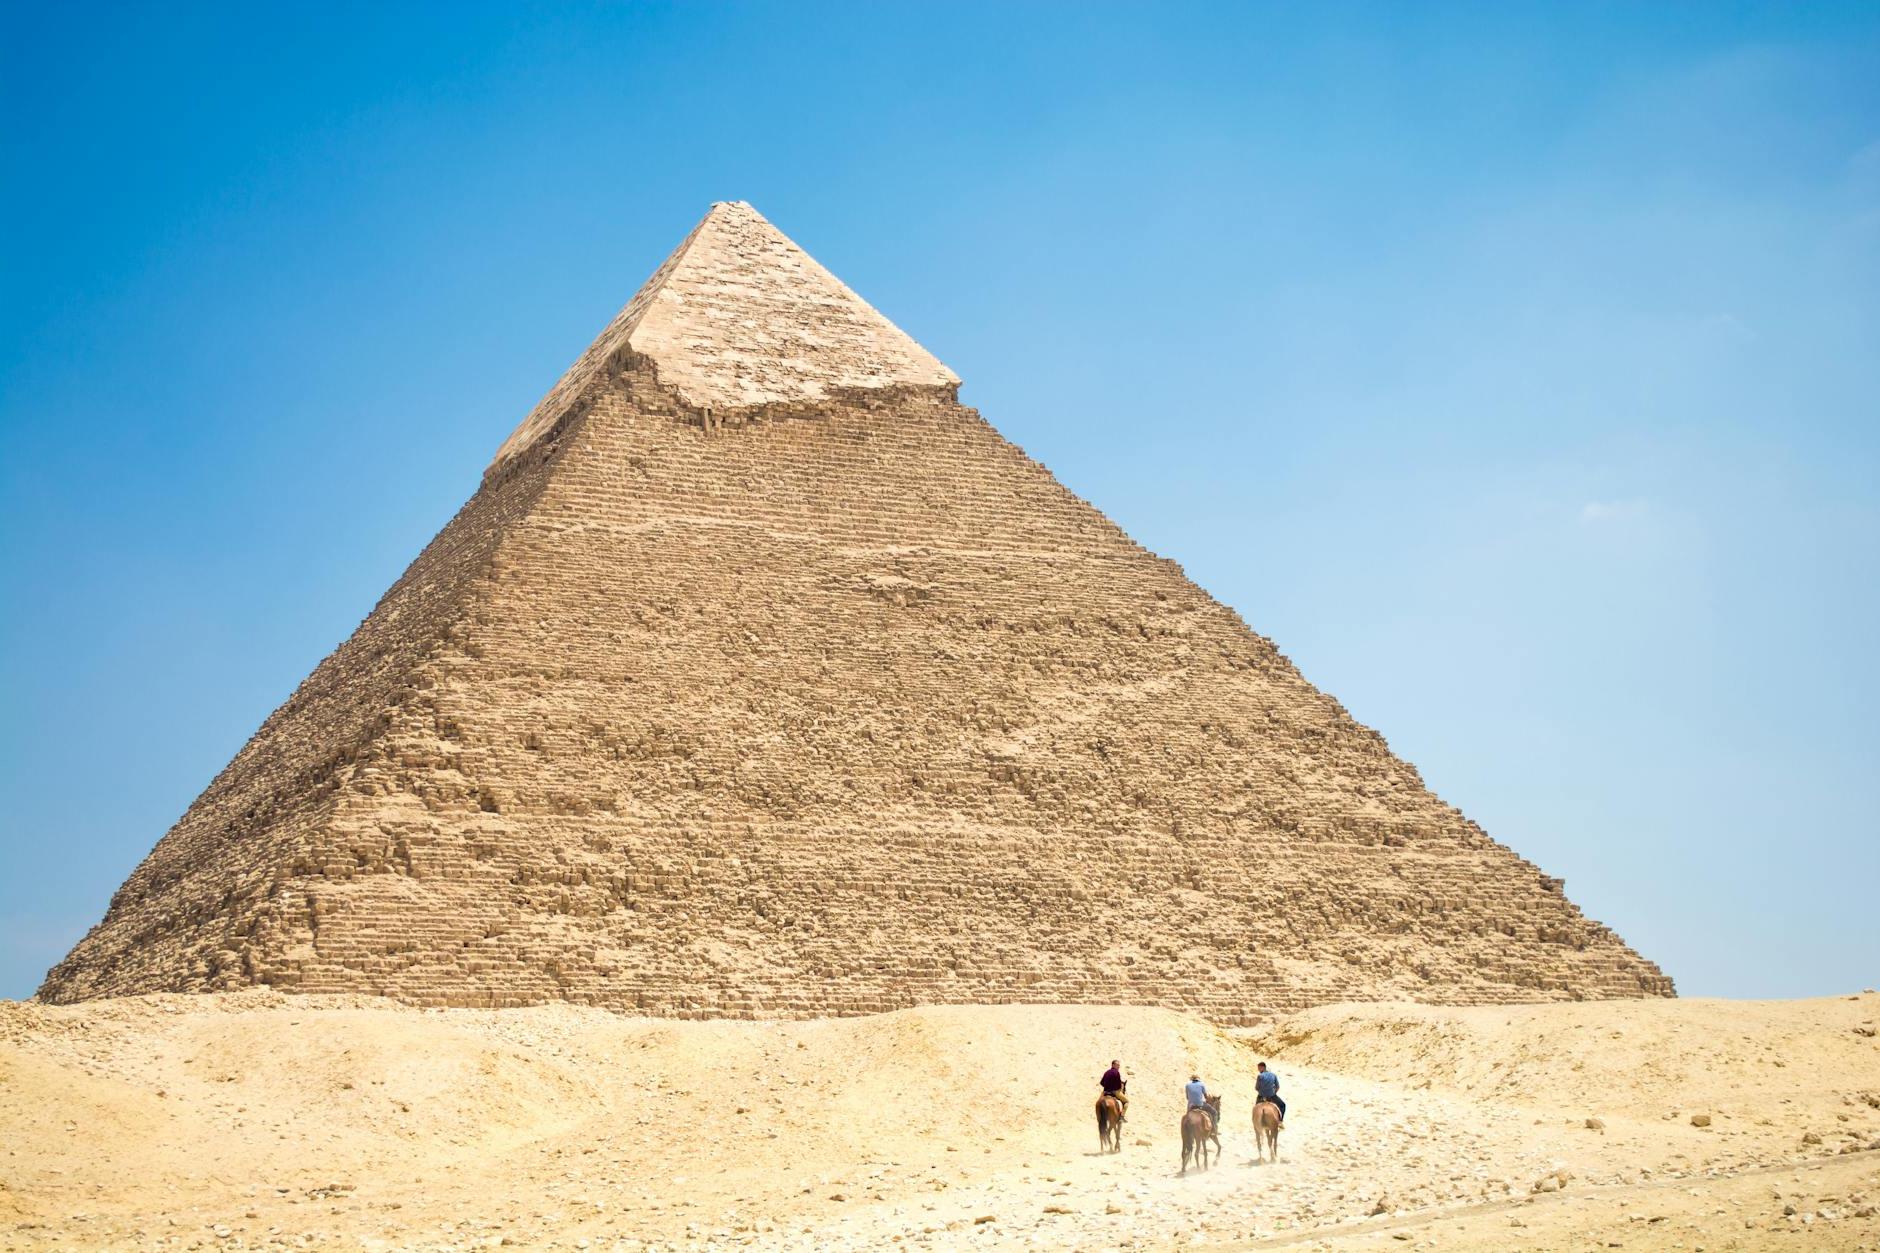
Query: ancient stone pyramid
<point x="762" y="677"/>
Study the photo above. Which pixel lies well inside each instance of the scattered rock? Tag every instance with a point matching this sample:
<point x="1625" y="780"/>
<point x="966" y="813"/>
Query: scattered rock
<point x="1809" y="1137"/>
<point x="1700" y="1120"/>
<point x="1055" y="1209"/>
<point x="1595" y="1124"/>
<point x="1554" y="1181"/>
<point x="1382" y="1207"/>
<point x="985" y="1218"/>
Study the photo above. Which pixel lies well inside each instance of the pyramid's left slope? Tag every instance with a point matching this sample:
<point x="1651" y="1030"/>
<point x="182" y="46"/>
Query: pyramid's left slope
<point x="191" y="916"/>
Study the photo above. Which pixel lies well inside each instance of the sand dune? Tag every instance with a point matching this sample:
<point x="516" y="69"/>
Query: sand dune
<point x="253" y="1119"/>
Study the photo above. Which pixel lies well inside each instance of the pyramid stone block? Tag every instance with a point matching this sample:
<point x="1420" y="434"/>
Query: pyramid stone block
<point x="760" y="677"/>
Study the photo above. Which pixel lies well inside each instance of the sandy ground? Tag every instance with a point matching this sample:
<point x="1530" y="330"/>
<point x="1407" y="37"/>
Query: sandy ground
<point x="256" y="1120"/>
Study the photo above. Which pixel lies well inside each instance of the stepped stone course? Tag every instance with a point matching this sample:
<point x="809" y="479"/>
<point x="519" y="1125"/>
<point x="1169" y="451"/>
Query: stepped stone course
<point x="763" y="678"/>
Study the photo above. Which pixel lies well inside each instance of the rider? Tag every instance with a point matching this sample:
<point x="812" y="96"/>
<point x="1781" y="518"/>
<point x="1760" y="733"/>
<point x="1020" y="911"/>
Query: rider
<point x="1266" y="1084"/>
<point x="1198" y="1098"/>
<point x="1115" y="1085"/>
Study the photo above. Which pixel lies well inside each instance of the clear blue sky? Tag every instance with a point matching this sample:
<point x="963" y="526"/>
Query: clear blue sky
<point x="1515" y="368"/>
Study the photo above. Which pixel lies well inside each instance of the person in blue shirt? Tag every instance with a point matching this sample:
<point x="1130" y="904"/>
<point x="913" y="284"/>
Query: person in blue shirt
<point x="1266" y="1086"/>
<point x="1198" y="1098"/>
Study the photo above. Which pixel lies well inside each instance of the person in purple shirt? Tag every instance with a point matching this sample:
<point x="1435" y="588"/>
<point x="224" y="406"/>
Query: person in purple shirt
<point x="1115" y="1085"/>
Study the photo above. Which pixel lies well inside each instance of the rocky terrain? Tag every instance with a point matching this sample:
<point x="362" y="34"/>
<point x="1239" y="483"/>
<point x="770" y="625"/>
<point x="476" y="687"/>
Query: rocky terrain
<point x="257" y="1120"/>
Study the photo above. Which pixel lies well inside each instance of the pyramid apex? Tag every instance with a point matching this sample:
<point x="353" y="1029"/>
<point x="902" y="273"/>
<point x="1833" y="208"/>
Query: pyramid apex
<point x="739" y="316"/>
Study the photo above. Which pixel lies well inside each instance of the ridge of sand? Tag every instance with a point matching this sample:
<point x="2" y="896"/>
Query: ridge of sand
<point x="255" y="1120"/>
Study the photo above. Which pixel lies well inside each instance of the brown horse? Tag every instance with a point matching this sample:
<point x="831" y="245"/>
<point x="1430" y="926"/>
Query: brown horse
<point x="1109" y="1124"/>
<point x="1265" y="1130"/>
<point x="1199" y="1127"/>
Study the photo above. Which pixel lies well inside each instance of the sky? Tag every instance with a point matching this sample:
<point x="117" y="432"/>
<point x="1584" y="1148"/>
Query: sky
<point x="1515" y="368"/>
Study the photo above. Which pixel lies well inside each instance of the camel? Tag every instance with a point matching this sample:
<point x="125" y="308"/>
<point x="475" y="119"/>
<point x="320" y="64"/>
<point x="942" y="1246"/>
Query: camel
<point x="1265" y="1130"/>
<point x="1109" y="1124"/>
<point x="1200" y="1125"/>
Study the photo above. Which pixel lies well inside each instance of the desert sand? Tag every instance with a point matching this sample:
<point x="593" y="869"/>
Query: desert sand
<point x="255" y="1119"/>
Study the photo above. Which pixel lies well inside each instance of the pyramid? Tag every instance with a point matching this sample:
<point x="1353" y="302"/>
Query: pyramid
<point x="760" y="677"/>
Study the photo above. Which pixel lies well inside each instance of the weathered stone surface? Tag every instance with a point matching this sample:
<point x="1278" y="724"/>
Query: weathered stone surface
<point x="740" y="316"/>
<point x="761" y="677"/>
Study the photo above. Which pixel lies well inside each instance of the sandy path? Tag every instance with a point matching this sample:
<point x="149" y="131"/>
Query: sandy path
<point x="256" y="1120"/>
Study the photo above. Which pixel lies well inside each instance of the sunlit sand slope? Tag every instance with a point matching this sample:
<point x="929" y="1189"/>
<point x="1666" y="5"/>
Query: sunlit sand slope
<point x="253" y="1119"/>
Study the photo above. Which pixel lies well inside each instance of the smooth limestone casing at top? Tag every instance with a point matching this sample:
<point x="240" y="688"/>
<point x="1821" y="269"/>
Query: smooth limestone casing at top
<point x="763" y="678"/>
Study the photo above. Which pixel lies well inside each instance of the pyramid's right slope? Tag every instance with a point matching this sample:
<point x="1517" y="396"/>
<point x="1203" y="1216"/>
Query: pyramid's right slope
<point x="762" y="677"/>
